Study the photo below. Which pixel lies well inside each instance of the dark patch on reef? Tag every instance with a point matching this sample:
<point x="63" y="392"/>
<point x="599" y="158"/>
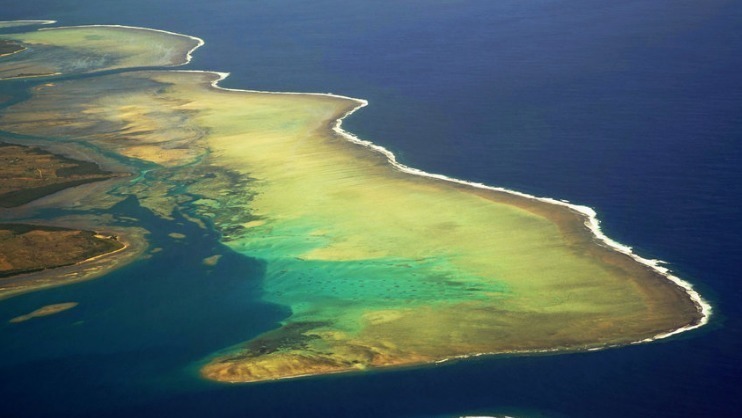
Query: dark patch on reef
<point x="289" y="337"/>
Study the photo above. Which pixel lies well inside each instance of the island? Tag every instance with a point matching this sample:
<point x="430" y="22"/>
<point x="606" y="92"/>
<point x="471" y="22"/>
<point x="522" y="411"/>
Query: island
<point x="381" y="265"/>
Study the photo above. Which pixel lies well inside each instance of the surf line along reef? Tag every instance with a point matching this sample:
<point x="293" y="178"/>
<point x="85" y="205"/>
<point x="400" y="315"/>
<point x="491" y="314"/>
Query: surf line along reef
<point x="380" y="264"/>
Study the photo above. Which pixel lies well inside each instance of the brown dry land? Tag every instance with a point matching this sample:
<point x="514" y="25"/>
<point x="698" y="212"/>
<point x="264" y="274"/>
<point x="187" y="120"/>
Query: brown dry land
<point x="27" y="174"/>
<point x="27" y="248"/>
<point x="28" y="251"/>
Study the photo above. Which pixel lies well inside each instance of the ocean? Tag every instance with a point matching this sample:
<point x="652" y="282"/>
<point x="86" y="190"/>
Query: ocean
<point x="631" y="108"/>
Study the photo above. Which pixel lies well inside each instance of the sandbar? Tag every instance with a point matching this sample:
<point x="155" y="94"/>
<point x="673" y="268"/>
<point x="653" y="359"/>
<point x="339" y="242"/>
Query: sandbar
<point x="45" y="311"/>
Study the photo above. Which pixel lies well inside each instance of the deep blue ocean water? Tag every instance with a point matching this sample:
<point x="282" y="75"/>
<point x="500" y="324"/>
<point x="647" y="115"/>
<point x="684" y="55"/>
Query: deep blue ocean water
<point x="633" y="108"/>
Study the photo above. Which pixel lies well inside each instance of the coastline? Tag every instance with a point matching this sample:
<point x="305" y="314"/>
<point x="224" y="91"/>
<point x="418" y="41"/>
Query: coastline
<point x="589" y="215"/>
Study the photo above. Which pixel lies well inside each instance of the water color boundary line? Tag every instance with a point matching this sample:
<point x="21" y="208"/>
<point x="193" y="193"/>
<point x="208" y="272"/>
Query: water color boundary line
<point x="591" y="217"/>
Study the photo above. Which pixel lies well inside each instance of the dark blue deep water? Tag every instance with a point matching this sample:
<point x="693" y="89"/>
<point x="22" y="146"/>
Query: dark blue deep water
<point x="631" y="107"/>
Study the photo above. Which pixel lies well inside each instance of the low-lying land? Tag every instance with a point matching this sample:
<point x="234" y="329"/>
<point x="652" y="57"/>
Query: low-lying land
<point x="26" y="248"/>
<point x="27" y="174"/>
<point x="36" y="256"/>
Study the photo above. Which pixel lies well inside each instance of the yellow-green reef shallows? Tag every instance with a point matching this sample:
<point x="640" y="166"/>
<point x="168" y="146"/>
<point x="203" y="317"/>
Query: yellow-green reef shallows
<point x="379" y="267"/>
<point x="85" y="49"/>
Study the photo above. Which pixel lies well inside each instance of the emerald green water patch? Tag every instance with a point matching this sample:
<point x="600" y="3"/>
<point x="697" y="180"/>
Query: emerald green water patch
<point x="373" y="283"/>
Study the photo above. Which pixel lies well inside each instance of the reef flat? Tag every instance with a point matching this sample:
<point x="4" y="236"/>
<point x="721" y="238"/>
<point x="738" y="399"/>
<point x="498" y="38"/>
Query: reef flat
<point x="80" y="50"/>
<point x="380" y="265"/>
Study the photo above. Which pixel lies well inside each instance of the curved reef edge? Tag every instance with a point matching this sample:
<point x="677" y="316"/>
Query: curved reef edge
<point x="188" y="56"/>
<point x="213" y="370"/>
<point x="589" y="215"/>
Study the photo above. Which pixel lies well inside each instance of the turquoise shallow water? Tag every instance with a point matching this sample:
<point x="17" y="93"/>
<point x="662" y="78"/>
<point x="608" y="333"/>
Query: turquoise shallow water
<point x="629" y="108"/>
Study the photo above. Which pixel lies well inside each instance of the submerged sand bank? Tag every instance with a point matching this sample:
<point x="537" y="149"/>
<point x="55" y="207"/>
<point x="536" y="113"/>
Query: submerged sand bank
<point x="44" y="311"/>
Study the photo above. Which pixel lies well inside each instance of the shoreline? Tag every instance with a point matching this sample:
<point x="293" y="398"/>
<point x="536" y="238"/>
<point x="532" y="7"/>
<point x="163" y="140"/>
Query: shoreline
<point x="592" y="223"/>
<point x="588" y="214"/>
<point x="132" y="239"/>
